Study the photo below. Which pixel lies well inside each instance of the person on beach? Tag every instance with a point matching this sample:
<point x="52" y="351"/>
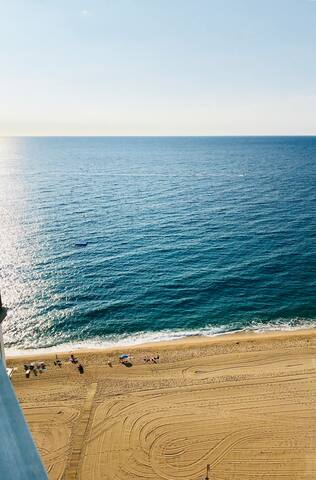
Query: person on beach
<point x="80" y="368"/>
<point x="109" y="363"/>
<point x="58" y="362"/>
<point x="73" y="359"/>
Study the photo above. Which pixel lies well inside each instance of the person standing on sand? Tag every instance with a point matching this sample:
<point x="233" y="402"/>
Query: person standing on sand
<point x="57" y="362"/>
<point x="73" y="359"/>
<point x="80" y="368"/>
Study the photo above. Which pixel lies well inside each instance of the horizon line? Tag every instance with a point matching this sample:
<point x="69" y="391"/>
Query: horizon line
<point x="162" y="136"/>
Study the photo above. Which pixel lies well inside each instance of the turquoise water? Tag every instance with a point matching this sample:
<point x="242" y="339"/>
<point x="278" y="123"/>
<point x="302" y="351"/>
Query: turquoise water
<point x="185" y="236"/>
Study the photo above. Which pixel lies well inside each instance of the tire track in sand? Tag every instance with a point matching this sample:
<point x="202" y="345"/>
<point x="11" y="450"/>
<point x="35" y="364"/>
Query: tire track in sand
<point x="78" y="434"/>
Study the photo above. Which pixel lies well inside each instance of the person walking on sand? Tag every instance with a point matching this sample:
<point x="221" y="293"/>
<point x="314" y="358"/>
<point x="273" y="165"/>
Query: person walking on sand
<point x="80" y="368"/>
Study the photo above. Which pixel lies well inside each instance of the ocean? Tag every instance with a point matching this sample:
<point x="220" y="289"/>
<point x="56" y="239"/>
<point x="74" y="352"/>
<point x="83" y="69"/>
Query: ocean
<point x="185" y="236"/>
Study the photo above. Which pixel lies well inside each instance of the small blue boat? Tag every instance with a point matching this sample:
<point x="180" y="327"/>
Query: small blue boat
<point x="81" y="243"/>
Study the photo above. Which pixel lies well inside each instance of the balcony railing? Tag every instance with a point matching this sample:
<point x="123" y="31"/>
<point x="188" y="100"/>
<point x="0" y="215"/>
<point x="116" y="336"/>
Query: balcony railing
<point x="19" y="459"/>
<point x="3" y="314"/>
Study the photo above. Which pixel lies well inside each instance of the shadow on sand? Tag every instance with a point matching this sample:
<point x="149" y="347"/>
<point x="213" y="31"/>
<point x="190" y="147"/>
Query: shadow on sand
<point x="128" y="364"/>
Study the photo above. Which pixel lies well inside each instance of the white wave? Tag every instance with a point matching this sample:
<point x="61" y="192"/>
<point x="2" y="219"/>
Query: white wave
<point x="282" y="325"/>
<point x="141" y="338"/>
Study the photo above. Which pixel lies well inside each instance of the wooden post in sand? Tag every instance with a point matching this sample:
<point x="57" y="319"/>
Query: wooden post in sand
<point x="208" y="466"/>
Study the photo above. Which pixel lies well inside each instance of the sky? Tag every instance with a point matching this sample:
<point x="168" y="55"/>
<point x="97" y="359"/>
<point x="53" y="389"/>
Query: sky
<point x="157" y="67"/>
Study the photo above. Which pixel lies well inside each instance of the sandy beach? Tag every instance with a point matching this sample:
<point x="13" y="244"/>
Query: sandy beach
<point x="243" y="403"/>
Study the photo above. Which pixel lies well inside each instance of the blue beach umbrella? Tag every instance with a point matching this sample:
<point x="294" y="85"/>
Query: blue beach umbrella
<point x="123" y="356"/>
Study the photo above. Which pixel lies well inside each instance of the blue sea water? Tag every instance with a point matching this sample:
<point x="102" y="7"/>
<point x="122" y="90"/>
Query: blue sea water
<point x="186" y="235"/>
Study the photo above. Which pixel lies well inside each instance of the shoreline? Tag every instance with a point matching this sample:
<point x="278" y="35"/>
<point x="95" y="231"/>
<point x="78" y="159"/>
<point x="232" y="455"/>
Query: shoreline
<point x="189" y="341"/>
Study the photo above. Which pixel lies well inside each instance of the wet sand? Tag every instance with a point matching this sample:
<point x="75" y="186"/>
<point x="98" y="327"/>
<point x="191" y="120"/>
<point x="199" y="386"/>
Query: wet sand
<point x="243" y="403"/>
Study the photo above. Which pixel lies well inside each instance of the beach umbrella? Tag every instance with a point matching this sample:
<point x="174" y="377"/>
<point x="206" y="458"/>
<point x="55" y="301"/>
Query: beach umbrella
<point x="123" y="356"/>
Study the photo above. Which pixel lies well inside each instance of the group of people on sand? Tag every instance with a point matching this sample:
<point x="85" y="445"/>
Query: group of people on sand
<point x="75" y="360"/>
<point x="36" y="368"/>
<point x="126" y="360"/>
<point x="72" y="360"/>
<point x="39" y="367"/>
<point x="152" y="359"/>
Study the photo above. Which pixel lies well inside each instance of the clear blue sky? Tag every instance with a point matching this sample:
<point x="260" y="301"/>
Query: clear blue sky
<point x="157" y="67"/>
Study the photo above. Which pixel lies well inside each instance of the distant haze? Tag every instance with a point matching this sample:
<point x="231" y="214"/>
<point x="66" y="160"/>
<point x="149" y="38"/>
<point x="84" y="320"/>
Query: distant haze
<point x="164" y="67"/>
